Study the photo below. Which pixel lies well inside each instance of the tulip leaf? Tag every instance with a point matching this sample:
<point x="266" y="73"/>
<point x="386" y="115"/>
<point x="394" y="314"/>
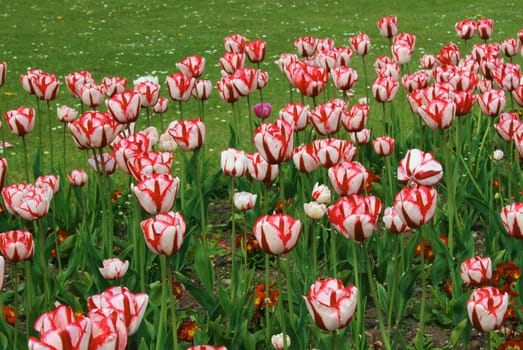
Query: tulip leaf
<point x="457" y="332"/>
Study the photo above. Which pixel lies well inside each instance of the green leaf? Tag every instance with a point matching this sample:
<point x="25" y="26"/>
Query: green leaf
<point x="456" y="333"/>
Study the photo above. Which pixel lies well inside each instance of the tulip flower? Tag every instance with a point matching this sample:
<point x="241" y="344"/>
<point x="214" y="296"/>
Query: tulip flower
<point x="17" y="245"/>
<point x="148" y="163"/>
<point x="66" y="114"/>
<point x="113" y="85"/>
<point x="296" y="114"/>
<point x="234" y="43"/>
<point x="321" y="193"/>
<point x="156" y="193"/>
<point x="113" y="268"/>
<point x="393" y="222"/>
<point x="427" y="61"/>
<point x="415" y="81"/>
<point x="508" y="125"/>
<point x="192" y="66"/>
<point x="244" y="201"/>
<point x="20" y="121"/>
<point x="498" y="155"/>
<point x="130" y="307"/>
<point x="3" y="73"/>
<point x="277" y="233"/>
<point x="76" y="79"/>
<point x="449" y="54"/>
<point x="180" y="86"/>
<point x="166" y="143"/>
<point x="416" y="205"/>
<point x="331" y="304"/>
<point x="103" y="164"/>
<point x="314" y="210"/>
<point x="164" y="234"/>
<point x="464" y="101"/>
<point x="348" y="177"/>
<point x="305" y="46"/>
<point x="206" y="347"/>
<point x="233" y="162"/>
<point x="188" y="134"/>
<point x="261" y="170"/>
<point x="27" y="80"/>
<point x="401" y="53"/>
<point x="360" y="43"/>
<point x="486" y="308"/>
<point x="77" y="177"/>
<point x="245" y="80"/>
<point x="274" y="141"/>
<point x="45" y="86"/>
<point x="94" y="129"/>
<point x="61" y="329"/>
<point x="130" y="147"/>
<point x="232" y="61"/>
<point x="226" y="89"/>
<point x="384" y="89"/>
<point x="388" y="26"/>
<point x="509" y="47"/>
<point x="52" y="181"/>
<point x="383" y="145"/>
<point x="108" y="331"/>
<point x="309" y="80"/>
<point x="305" y="158"/>
<point x="202" y="89"/>
<point x="326" y="118"/>
<point x="492" y="102"/>
<point x="278" y="342"/>
<point x="149" y="91"/>
<point x="262" y="110"/>
<point x="3" y="171"/>
<point x="28" y="201"/>
<point x="420" y="168"/>
<point x="124" y="106"/>
<point x="512" y="219"/>
<point x="255" y="50"/>
<point x="485" y="26"/>
<point x="438" y="114"/>
<point x="476" y="271"/>
<point x="161" y="105"/>
<point x="91" y="94"/>
<point x="355" y="118"/>
<point x="466" y="29"/>
<point x="355" y="216"/>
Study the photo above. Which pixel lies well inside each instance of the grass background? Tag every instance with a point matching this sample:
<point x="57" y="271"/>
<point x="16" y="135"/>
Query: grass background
<point x="135" y="38"/>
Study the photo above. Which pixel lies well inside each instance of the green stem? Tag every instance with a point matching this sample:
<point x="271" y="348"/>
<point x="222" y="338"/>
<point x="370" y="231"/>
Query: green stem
<point x="251" y="128"/>
<point x="233" y="239"/>
<point x="359" y="307"/>
<point x="160" y="342"/>
<point x="373" y="290"/>
<point x="420" y="336"/>
<point x="365" y="78"/>
<point x="43" y="263"/>
<point x="26" y="162"/>
<point x="180" y="104"/>
<point x="64" y="148"/>
<point x="148" y="112"/>
<point x="50" y="131"/>
<point x="280" y="304"/>
<point x="333" y="256"/>
<point x="174" y="302"/>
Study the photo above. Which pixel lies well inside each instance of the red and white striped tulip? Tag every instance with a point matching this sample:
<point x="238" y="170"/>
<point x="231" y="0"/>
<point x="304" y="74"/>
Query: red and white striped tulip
<point x="149" y="91"/>
<point x="21" y="120"/>
<point x="202" y="89"/>
<point x="416" y="205"/>
<point x="124" y="107"/>
<point x="348" y="177"/>
<point x="393" y="222"/>
<point x="164" y="234"/>
<point x="261" y="170"/>
<point x="114" y="85"/>
<point x="180" y="86"/>
<point x="355" y="216"/>
<point x="61" y="329"/>
<point x="255" y="50"/>
<point x="3" y="73"/>
<point x="466" y="28"/>
<point x="156" y="193"/>
<point x="130" y="307"/>
<point x="113" y="268"/>
<point x="355" y="118"/>
<point x="233" y="162"/>
<point x="244" y="201"/>
<point x="360" y="43"/>
<point x="476" y="270"/>
<point x="485" y="28"/>
<point x="388" y="26"/>
<point x="296" y="114"/>
<point x="277" y="233"/>
<point x="108" y="331"/>
<point x="321" y="193"/>
<point x="17" y="245"/>
<point x="77" y="177"/>
<point x="188" y="134"/>
<point x="420" y="168"/>
<point x="66" y="114"/>
<point x="91" y="94"/>
<point x="438" y="114"/>
<point x="232" y="61"/>
<point x="234" y="43"/>
<point x="274" y="141"/>
<point x="103" y="164"/>
<point x="331" y="304"/>
<point x="487" y="307"/>
<point x="305" y="158"/>
<point x="306" y="45"/>
<point x="512" y="219"/>
<point x="76" y="79"/>
<point x="45" y="86"/>
<point x="148" y="163"/>
<point x="383" y="145"/>
<point x="492" y="102"/>
<point x="192" y="66"/>
<point x="94" y="129"/>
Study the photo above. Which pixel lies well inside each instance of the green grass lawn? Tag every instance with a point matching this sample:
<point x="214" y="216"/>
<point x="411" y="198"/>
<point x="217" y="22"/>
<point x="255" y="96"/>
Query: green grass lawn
<point x="135" y="38"/>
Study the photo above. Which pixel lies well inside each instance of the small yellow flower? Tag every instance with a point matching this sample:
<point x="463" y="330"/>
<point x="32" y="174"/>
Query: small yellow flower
<point x="9" y="93"/>
<point x="59" y="18"/>
<point x="89" y="12"/>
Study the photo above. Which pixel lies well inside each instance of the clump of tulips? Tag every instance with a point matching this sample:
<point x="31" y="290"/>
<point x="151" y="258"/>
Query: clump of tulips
<point x="351" y="200"/>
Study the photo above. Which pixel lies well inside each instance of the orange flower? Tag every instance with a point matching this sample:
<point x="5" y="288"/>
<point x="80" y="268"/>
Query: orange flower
<point x="10" y="314"/>
<point x="260" y="299"/>
<point x="495" y="183"/>
<point x="178" y="289"/>
<point x="116" y="196"/>
<point x="187" y="330"/>
<point x="251" y="244"/>
<point x="425" y="248"/>
<point x="514" y="343"/>
<point x="370" y="180"/>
